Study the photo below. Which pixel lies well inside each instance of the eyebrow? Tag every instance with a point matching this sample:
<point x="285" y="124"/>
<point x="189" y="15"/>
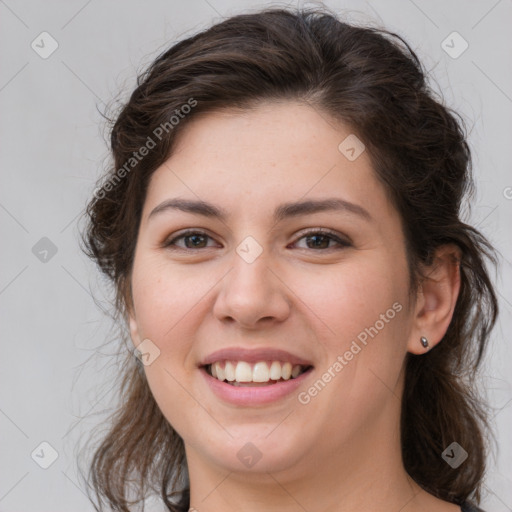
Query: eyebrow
<point x="283" y="211"/>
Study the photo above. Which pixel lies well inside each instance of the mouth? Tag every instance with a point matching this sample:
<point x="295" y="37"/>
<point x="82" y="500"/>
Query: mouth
<point x="254" y="377"/>
<point x="257" y="374"/>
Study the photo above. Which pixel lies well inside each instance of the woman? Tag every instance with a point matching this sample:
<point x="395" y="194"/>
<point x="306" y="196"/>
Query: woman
<point x="281" y="224"/>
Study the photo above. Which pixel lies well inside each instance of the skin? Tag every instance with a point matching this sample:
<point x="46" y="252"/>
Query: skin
<point x="340" y="451"/>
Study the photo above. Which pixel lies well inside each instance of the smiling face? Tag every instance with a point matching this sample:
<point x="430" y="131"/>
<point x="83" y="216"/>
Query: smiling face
<point x="256" y="275"/>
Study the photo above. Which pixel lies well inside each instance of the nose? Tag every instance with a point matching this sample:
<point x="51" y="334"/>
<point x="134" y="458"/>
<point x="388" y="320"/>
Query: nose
<point x="252" y="295"/>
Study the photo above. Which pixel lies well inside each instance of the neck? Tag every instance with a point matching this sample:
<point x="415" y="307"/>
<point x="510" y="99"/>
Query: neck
<point x="363" y="473"/>
<point x="321" y="491"/>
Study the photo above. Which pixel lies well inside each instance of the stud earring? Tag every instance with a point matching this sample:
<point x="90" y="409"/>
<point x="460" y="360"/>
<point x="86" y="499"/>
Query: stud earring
<point x="424" y="342"/>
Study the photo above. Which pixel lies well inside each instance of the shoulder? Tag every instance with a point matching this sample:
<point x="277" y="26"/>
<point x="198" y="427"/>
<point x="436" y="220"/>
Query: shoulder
<point x="468" y="507"/>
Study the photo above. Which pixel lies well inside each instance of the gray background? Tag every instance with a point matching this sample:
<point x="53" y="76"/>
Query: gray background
<point x="56" y="371"/>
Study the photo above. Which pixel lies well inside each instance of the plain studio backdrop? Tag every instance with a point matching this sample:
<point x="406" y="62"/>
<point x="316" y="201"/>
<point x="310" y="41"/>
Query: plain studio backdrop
<point x="62" y="62"/>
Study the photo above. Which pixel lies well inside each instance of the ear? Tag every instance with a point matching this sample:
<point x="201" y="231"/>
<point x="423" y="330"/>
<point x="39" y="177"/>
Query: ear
<point x="130" y="313"/>
<point x="436" y="298"/>
<point x="134" y="329"/>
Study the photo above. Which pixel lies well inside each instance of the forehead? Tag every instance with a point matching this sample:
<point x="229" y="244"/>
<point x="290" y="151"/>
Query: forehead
<point x="277" y="152"/>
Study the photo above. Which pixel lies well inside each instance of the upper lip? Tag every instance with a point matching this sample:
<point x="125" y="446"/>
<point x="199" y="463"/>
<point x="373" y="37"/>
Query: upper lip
<point x="253" y="356"/>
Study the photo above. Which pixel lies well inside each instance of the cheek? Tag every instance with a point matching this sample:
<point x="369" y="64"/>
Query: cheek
<point x="364" y="344"/>
<point x="363" y="310"/>
<point x="164" y="301"/>
<point x="352" y="299"/>
<point x="342" y="302"/>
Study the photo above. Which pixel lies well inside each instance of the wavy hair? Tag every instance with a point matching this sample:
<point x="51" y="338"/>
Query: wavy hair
<point x="371" y="80"/>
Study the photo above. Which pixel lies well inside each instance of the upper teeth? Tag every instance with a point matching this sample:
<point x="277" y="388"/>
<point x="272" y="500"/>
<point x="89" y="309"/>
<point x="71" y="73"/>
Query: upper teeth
<point x="242" y="371"/>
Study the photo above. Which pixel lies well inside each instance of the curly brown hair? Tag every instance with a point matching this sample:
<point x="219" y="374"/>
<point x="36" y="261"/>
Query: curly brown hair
<point x="371" y="80"/>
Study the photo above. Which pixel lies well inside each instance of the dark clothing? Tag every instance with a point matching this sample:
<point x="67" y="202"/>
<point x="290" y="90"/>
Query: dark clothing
<point x="468" y="507"/>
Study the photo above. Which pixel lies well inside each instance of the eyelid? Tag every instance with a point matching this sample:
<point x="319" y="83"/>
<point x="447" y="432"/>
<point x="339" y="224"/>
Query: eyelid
<point x="338" y="237"/>
<point x="343" y="241"/>
<point x="187" y="232"/>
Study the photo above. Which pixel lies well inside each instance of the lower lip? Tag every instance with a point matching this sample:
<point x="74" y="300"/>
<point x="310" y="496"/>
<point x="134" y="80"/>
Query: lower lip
<point x="248" y="395"/>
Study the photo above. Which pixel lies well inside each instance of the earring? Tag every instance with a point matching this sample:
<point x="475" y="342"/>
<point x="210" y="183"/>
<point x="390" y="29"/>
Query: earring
<point x="424" y="342"/>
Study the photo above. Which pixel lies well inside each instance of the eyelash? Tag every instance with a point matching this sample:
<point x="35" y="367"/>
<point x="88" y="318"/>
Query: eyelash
<point x="342" y="244"/>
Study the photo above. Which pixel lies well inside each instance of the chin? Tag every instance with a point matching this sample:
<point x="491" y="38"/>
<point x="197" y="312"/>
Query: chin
<point x="251" y="452"/>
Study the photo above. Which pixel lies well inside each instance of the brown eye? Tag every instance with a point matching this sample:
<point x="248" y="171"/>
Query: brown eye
<point x="315" y="240"/>
<point x="192" y="239"/>
<point x="321" y="239"/>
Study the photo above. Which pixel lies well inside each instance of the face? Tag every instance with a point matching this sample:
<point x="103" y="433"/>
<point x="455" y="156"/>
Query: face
<point x="321" y="290"/>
